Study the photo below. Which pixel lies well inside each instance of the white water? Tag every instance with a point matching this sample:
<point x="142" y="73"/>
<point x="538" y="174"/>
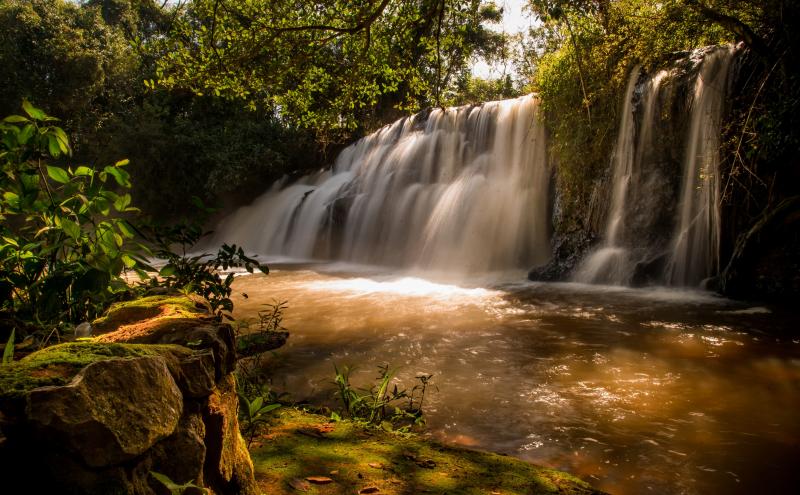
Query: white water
<point x="692" y="253"/>
<point x="695" y="250"/>
<point x="464" y="190"/>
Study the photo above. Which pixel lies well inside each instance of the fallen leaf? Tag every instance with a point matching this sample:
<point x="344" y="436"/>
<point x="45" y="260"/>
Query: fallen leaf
<point x="334" y="472"/>
<point x="376" y="465"/>
<point x="319" y="480"/>
<point x="427" y="463"/>
<point x="299" y="485"/>
<point x="369" y="489"/>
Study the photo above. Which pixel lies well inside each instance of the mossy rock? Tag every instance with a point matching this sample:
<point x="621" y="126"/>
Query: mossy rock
<point x="152" y="308"/>
<point x="299" y="445"/>
<point x="57" y="365"/>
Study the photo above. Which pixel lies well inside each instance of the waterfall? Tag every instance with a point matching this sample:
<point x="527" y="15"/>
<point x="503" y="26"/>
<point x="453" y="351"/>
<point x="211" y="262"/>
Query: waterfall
<point x="646" y="239"/>
<point x="463" y="190"/>
<point x="694" y="254"/>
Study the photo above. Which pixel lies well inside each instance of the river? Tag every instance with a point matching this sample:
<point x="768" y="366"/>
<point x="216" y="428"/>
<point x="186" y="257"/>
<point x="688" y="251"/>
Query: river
<point x="634" y="390"/>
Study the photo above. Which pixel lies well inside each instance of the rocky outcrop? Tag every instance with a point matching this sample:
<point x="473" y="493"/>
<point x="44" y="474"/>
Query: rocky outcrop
<point x="146" y="396"/>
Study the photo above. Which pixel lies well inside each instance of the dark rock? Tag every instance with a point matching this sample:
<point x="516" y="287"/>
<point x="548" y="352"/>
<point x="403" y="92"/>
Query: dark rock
<point x="257" y="343"/>
<point x="649" y="271"/>
<point x="112" y="411"/>
<point x="181" y="456"/>
<point x="197" y="375"/>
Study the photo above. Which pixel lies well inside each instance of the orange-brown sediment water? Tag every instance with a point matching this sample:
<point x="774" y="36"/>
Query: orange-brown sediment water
<point x="634" y="390"/>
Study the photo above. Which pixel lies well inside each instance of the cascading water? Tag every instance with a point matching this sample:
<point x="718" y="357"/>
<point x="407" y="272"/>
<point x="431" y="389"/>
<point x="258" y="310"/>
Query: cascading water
<point x="459" y="190"/>
<point x="694" y="254"/>
<point x="612" y="261"/>
<point x="645" y="240"/>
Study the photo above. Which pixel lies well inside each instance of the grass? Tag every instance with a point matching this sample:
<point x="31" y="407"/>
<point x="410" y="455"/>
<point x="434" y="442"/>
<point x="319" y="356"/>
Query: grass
<point x="299" y="445"/>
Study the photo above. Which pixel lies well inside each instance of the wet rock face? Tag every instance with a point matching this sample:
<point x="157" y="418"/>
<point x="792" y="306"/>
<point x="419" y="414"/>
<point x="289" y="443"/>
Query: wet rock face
<point x="105" y="430"/>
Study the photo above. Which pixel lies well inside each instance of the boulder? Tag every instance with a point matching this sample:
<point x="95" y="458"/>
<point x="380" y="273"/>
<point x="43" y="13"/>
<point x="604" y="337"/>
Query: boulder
<point x="153" y="395"/>
<point x="112" y="411"/>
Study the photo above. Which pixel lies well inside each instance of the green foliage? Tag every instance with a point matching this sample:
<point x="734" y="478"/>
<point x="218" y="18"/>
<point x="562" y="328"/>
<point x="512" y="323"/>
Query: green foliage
<point x="65" y="241"/>
<point x="382" y="404"/>
<point x="587" y="49"/>
<point x="200" y="274"/>
<point x="474" y="90"/>
<point x="175" y="488"/>
<point x="256" y="398"/>
<point x="254" y="413"/>
<point x="324" y="66"/>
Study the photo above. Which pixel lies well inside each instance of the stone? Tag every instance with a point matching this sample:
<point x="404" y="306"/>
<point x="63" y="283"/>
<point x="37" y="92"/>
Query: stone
<point x="180" y="456"/>
<point x="197" y="375"/>
<point x="111" y="412"/>
<point x="228" y="467"/>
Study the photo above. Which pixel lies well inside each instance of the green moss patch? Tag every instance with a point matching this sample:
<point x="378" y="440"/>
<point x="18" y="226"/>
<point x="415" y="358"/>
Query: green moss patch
<point x="298" y="446"/>
<point x="57" y="365"/>
<point x="148" y="308"/>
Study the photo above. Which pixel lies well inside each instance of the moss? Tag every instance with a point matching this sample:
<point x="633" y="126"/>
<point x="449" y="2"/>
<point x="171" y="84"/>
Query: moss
<point x="58" y="364"/>
<point x="128" y="312"/>
<point x="298" y="445"/>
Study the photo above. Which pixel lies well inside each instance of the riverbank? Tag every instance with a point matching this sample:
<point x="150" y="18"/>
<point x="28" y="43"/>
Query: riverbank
<point x="308" y="453"/>
<point x="153" y="391"/>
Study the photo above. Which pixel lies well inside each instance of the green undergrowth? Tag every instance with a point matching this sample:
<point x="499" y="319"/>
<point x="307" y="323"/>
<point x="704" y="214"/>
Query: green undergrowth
<point x="347" y="458"/>
<point x="58" y="364"/>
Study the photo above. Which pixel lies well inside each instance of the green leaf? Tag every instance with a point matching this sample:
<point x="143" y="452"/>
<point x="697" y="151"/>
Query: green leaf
<point x="26" y="134"/>
<point x="122" y="163"/>
<point x="11" y="241"/>
<point x="168" y="270"/>
<point x="83" y="171"/>
<point x="8" y="352"/>
<point x="122" y="202"/>
<point x="58" y="174"/>
<point x="120" y="175"/>
<point x="102" y="205"/>
<point x="53" y="146"/>
<point x="71" y="228"/>
<point x="32" y="111"/>
<point x="15" y="119"/>
<point x="63" y="140"/>
<point x="129" y="262"/>
<point x="126" y="230"/>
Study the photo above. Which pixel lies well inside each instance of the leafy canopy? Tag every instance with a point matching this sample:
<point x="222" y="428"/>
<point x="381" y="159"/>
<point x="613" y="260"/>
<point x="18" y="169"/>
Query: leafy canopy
<point x="325" y="65"/>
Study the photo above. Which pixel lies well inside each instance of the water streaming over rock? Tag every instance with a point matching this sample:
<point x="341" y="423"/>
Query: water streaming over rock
<point x="459" y="190"/>
<point x="662" y="228"/>
<point x="694" y="253"/>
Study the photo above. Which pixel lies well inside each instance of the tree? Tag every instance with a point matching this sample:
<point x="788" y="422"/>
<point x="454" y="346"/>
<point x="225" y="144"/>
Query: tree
<point x="325" y="67"/>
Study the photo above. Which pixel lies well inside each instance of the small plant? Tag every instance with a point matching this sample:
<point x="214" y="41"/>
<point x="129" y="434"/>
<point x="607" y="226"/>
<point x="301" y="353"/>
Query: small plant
<point x="254" y="413"/>
<point x="382" y="404"/>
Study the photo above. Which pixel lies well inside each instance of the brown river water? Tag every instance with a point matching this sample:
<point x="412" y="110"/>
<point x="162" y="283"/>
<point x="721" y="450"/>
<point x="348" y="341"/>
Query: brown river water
<point x="633" y="390"/>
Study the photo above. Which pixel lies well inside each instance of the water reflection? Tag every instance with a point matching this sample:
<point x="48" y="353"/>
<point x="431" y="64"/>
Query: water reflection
<point x="655" y="391"/>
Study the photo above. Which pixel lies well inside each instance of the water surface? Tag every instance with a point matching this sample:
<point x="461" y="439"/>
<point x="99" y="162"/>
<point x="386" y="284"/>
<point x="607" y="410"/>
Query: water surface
<point x="635" y="391"/>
